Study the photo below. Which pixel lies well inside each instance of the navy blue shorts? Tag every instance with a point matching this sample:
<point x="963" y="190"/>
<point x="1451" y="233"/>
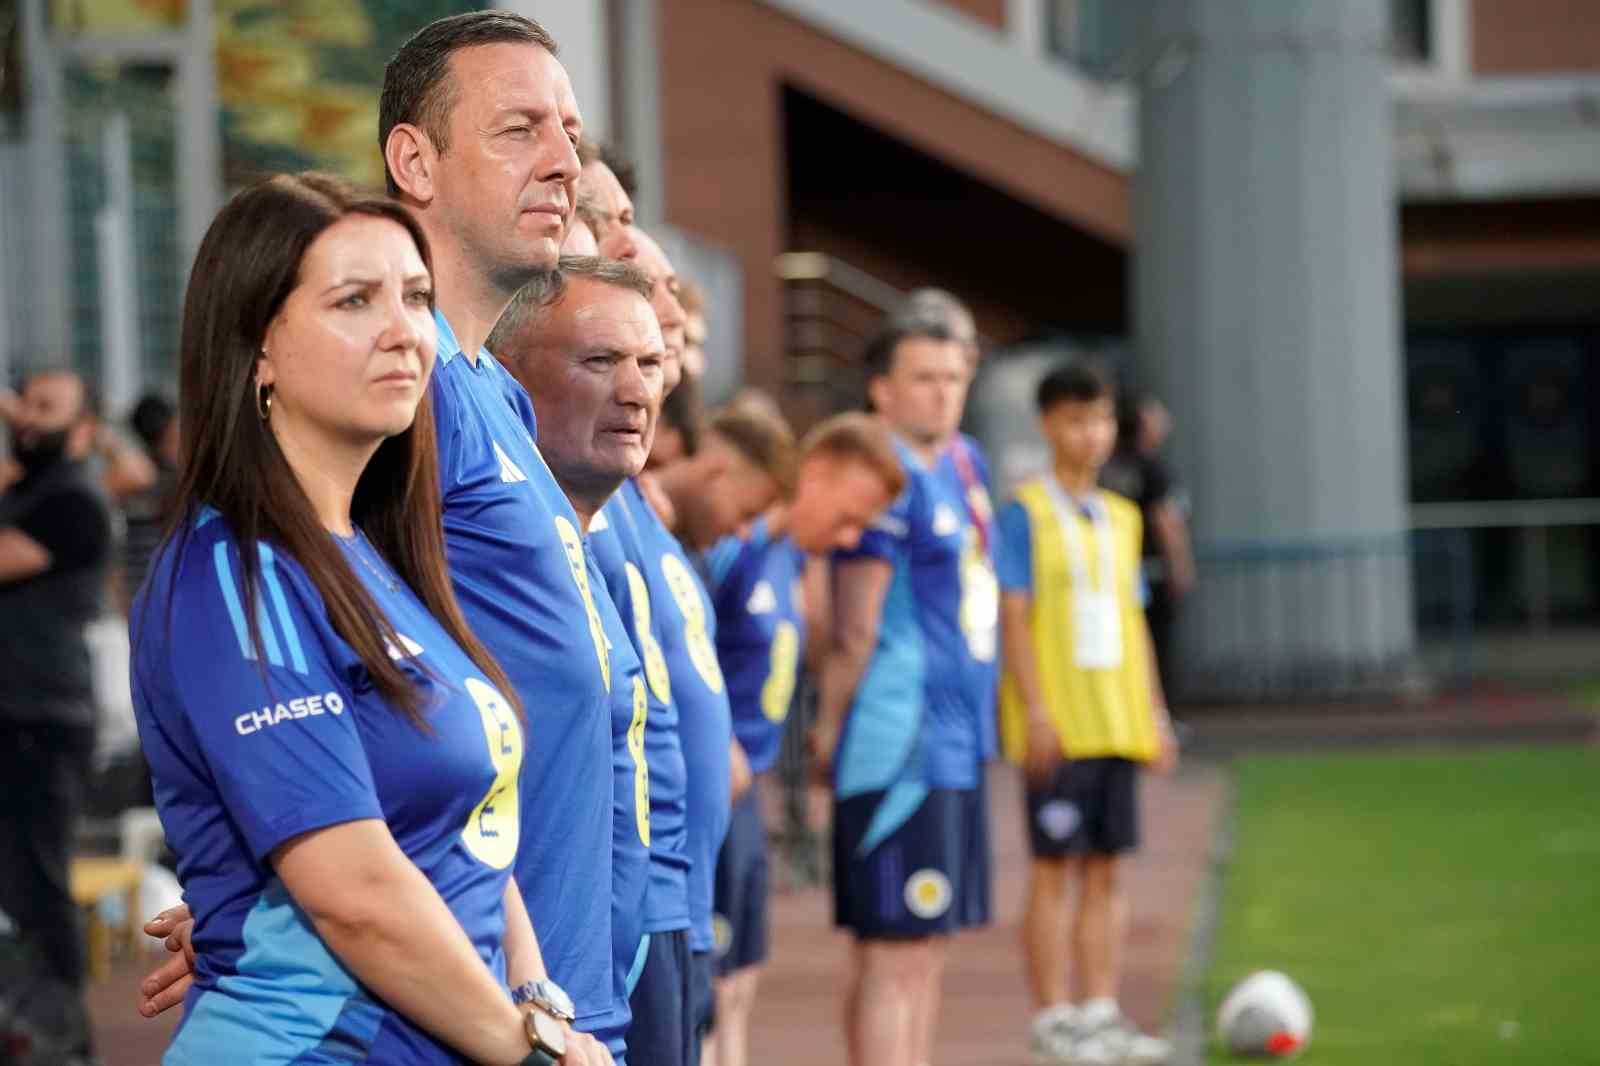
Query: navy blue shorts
<point x="702" y="999"/>
<point x="662" y="1033"/>
<point x="1088" y="806"/>
<point x="739" y="924"/>
<point x="927" y="876"/>
<point x="978" y="866"/>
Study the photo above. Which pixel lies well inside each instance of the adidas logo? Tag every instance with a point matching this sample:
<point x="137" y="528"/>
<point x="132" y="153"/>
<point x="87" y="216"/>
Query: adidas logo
<point x="412" y="648"/>
<point x="945" y="521"/>
<point x="762" y="599"/>
<point x="508" y="470"/>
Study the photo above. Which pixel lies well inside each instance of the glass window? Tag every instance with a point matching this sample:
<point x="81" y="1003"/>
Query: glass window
<point x="1411" y="32"/>
<point x="1097" y="35"/>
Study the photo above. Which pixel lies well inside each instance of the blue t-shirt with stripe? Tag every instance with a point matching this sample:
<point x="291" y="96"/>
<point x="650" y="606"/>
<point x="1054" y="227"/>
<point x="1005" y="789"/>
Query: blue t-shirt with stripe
<point x="247" y="753"/>
<point x="912" y="721"/>
<point x="616" y="542"/>
<point x="520" y="573"/>
<point x="761" y="634"/>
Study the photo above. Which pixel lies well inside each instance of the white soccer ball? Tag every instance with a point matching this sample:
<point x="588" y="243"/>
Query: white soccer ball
<point x="1267" y="1016"/>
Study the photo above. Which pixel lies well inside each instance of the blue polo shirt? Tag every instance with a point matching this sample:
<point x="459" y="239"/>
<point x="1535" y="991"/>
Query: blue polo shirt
<point x="518" y="566"/>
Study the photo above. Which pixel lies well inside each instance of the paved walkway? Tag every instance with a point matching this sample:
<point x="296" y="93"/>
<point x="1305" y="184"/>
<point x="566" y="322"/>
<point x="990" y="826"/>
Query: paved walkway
<point x="797" y="1020"/>
<point x="797" y="1014"/>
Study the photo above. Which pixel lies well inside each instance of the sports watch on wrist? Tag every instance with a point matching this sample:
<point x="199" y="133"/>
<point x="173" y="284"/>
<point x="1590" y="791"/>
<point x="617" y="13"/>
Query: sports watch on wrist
<point x="546" y="1036"/>
<point x="548" y="997"/>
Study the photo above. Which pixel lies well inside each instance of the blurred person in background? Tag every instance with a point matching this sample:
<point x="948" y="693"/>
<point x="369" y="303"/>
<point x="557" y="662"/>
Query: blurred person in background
<point x="1138" y="470"/>
<point x="682" y="419"/>
<point x="585" y="343"/>
<point x="1083" y="710"/>
<point x="964" y="467"/>
<point x="55" y="546"/>
<point x="847" y="475"/>
<point x="579" y="240"/>
<point x="693" y="299"/>
<point x="744" y="462"/>
<point x="155" y="423"/>
<point x="898" y="732"/>
<point x="607" y="184"/>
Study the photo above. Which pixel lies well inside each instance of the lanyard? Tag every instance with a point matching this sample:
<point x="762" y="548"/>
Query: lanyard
<point x="962" y="457"/>
<point x="1100" y="518"/>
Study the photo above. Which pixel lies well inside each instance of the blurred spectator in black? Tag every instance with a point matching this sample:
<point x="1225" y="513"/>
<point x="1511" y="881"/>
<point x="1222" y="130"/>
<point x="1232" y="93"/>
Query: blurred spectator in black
<point x="1139" y="471"/>
<point x="55" y="546"/>
<point x="155" y="422"/>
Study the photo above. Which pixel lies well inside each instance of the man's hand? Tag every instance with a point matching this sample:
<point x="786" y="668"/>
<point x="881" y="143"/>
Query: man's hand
<point x="1166" y="759"/>
<point x="1044" y="748"/>
<point x="739" y="776"/>
<point x="585" y="1050"/>
<point x="10" y="407"/>
<point x="165" y="986"/>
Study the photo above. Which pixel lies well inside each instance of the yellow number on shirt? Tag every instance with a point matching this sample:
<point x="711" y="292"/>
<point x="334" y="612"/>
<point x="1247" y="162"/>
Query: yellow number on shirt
<point x="695" y="636"/>
<point x="641" y="769"/>
<point x="491" y="832"/>
<point x="980" y="600"/>
<point x="778" y="691"/>
<point x="580" y="577"/>
<point x="655" y="663"/>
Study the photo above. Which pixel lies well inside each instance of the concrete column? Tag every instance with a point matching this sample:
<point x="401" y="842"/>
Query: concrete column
<point x="1266" y="292"/>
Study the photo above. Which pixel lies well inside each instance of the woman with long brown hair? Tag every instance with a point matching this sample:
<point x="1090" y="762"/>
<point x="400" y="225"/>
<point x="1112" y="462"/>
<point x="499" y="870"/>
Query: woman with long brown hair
<point x="335" y="755"/>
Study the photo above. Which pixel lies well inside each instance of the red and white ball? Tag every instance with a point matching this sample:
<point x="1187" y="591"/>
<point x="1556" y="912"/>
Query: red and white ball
<point x="1266" y="1016"/>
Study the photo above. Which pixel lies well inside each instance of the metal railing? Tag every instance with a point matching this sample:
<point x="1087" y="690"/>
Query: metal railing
<point x="1532" y="519"/>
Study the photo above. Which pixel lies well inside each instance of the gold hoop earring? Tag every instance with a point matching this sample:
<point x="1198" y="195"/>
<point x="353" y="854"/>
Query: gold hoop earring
<point x="263" y="401"/>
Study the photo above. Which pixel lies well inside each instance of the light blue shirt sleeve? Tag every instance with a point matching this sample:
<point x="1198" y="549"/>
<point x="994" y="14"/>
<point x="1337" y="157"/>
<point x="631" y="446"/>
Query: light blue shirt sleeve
<point x="1014" y="559"/>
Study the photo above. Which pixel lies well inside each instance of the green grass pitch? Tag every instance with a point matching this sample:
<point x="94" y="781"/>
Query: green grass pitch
<point x="1438" y="909"/>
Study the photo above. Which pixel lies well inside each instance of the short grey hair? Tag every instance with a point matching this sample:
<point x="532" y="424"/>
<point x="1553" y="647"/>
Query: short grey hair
<point x="936" y="307"/>
<point x="530" y="303"/>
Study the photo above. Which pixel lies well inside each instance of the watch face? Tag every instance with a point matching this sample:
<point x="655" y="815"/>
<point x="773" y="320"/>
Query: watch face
<point x="546" y="1033"/>
<point x="557" y="999"/>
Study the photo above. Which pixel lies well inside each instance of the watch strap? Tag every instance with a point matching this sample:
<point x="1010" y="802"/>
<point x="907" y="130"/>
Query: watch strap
<point x="540" y="1057"/>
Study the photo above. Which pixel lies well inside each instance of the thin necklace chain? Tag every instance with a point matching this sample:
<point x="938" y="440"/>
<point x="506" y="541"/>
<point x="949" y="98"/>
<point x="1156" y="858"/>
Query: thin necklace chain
<point x="356" y="543"/>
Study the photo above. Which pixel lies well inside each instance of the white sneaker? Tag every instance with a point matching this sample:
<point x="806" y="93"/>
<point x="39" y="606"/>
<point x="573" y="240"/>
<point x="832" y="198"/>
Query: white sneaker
<point x="1053" y="1038"/>
<point x="1118" y="1042"/>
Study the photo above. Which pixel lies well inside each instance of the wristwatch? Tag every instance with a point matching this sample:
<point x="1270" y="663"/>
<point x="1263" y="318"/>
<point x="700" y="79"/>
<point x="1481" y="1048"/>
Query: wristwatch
<point x="546" y="1036"/>
<point x="549" y="1011"/>
<point x="548" y="997"/>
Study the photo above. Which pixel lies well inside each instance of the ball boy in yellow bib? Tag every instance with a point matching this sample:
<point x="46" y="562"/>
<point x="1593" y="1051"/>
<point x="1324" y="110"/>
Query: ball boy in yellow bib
<point x="1081" y="708"/>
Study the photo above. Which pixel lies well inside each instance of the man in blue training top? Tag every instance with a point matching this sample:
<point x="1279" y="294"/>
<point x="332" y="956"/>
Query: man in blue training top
<point x="898" y="732"/>
<point x="659" y="979"/>
<point x="585" y="343"/>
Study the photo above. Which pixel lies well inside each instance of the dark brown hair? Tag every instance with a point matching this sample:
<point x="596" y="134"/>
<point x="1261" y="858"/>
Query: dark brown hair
<point x="248" y="264"/>
<point x="417" y="85"/>
<point x="762" y="437"/>
<point x="858" y="438"/>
